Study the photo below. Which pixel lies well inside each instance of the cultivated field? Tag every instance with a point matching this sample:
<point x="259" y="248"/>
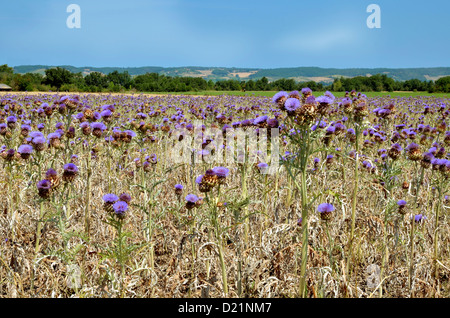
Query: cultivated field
<point x="135" y="195"/>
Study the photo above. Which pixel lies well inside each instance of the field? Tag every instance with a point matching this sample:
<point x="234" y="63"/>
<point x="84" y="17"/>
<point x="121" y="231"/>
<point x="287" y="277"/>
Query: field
<point x="255" y="194"/>
<point x="337" y="94"/>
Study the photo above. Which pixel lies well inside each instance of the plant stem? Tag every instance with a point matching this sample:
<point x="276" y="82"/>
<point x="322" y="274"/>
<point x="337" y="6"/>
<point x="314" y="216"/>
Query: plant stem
<point x="436" y="232"/>
<point x="219" y="240"/>
<point x="355" y="194"/>
<point x="384" y="257"/>
<point x="244" y="196"/>
<point x="11" y="211"/>
<point x="87" y="214"/>
<point x="411" y="264"/>
<point x="38" y="237"/>
<point x="39" y="226"/>
<point x="224" y="270"/>
<point x="330" y="247"/>
<point x="304" y="255"/>
<point x="120" y="256"/>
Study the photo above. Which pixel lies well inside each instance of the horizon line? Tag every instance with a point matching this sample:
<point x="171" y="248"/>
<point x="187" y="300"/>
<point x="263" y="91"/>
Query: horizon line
<point x="231" y="67"/>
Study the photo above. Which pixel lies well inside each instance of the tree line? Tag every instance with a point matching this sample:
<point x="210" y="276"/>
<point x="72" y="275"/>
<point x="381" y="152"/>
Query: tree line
<point x="60" y="79"/>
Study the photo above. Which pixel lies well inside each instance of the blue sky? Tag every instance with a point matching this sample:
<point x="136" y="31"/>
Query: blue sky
<point x="232" y="33"/>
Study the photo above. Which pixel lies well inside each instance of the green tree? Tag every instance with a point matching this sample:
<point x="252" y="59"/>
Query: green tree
<point x="6" y="69"/>
<point x="96" y="79"/>
<point x="210" y="84"/>
<point x="56" y="77"/>
<point x="337" y="85"/>
<point x="28" y="81"/>
<point x="250" y="85"/>
<point x="262" y="84"/>
<point x="78" y="82"/>
<point x="220" y="72"/>
<point x="122" y="79"/>
<point x="443" y="85"/>
<point x="388" y="83"/>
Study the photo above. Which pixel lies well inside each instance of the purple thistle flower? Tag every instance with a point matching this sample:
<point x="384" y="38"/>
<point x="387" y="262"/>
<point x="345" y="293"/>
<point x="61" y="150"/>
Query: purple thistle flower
<point x="130" y="133"/>
<point x="8" y="154"/>
<point x="397" y="147"/>
<point x="330" y="95"/>
<point x="192" y="198"/>
<point x="106" y="113"/>
<point x="108" y="107"/>
<point x="294" y="94"/>
<point x="44" y="184"/>
<point x="310" y="100"/>
<point x="50" y="173"/>
<point x="70" y="167"/>
<point x="331" y="130"/>
<point x="419" y="218"/>
<point x="25" y="149"/>
<point x="70" y="172"/>
<point x="53" y="135"/>
<point x="84" y="125"/>
<point x="98" y="125"/>
<point x="25" y="127"/>
<point x="35" y="134"/>
<point x="221" y="172"/>
<point x="432" y="150"/>
<point x="44" y="188"/>
<point x="262" y="167"/>
<point x="120" y="207"/>
<point x="279" y="95"/>
<point x="125" y="197"/>
<point x="325" y="207"/>
<point x="178" y="189"/>
<point x="79" y="116"/>
<point x="110" y="198"/>
<point x="38" y="143"/>
<point x="329" y="159"/>
<point x="306" y="91"/>
<point x="412" y="146"/>
<point x="198" y="180"/>
<point x="324" y="100"/>
<point x="246" y="123"/>
<point x="191" y="201"/>
<point x="292" y="104"/>
<point x="260" y="120"/>
<point x="11" y="119"/>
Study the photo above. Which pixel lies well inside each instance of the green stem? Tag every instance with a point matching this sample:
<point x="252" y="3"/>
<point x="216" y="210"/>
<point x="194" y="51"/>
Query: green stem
<point x="411" y="264"/>
<point x="11" y="211"/>
<point x="304" y="255"/>
<point x="330" y="243"/>
<point x="384" y="257"/>
<point x="39" y="226"/>
<point x="87" y="214"/>
<point x="244" y="196"/>
<point x="224" y="270"/>
<point x="219" y="240"/>
<point x="121" y="257"/>
<point x="109" y="165"/>
<point x="436" y="232"/>
<point x="354" y="199"/>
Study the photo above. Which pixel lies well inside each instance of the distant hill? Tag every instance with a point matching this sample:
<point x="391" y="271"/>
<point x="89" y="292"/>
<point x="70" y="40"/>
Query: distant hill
<point x="300" y="74"/>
